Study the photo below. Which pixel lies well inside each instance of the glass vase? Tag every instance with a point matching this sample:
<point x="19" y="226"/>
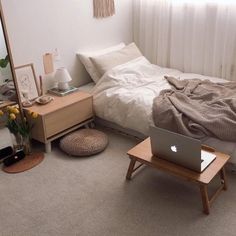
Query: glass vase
<point x="17" y="141"/>
<point x="21" y="143"/>
<point x="27" y="145"/>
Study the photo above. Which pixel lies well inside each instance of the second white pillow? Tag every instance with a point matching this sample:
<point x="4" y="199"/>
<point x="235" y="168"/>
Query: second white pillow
<point x="108" y="61"/>
<point x="89" y="66"/>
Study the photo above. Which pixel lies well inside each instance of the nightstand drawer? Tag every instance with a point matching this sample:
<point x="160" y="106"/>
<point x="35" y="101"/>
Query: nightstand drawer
<point x="67" y="117"/>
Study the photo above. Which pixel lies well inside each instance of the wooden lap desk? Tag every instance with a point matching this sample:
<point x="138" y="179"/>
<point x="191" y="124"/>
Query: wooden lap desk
<point x="142" y="154"/>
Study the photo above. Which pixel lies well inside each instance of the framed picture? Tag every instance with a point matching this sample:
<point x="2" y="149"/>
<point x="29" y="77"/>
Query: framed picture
<point x="27" y="84"/>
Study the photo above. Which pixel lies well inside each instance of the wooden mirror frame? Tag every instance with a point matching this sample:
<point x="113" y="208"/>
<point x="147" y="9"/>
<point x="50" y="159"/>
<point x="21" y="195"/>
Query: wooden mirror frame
<point x="4" y="28"/>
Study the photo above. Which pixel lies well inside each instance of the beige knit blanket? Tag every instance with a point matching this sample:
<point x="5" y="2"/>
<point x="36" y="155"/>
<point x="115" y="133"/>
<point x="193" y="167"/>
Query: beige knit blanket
<point x="197" y="108"/>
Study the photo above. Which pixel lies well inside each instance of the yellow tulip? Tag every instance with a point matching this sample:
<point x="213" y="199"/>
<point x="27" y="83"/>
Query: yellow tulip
<point x="12" y="109"/>
<point x="12" y="116"/>
<point x="1" y="113"/>
<point x="9" y="108"/>
<point x="15" y="111"/>
<point x="34" y="115"/>
<point x="30" y="112"/>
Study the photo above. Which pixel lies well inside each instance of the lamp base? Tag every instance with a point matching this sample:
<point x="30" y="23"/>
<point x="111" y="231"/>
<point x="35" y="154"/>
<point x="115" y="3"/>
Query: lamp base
<point x="63" y="86"/>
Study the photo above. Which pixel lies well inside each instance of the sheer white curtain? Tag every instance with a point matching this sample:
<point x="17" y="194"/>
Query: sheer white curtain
<point x="196" y="36"/>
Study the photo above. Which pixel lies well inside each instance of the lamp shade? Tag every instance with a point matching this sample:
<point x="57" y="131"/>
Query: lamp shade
<point x="62" y="75"/>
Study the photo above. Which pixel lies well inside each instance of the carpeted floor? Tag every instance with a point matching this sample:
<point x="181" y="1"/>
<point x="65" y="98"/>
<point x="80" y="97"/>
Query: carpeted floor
<point x="90" y="196"/>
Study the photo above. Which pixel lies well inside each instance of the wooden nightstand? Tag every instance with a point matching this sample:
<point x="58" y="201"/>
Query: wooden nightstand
<point x="61" y="116"/>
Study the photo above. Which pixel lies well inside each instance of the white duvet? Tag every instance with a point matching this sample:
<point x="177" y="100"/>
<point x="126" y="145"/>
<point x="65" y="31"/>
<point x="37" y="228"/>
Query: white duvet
<point x="124" y="95"/>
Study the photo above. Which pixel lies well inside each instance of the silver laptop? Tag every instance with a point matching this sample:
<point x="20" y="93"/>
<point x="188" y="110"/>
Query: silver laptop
<point x="179" y="149"/>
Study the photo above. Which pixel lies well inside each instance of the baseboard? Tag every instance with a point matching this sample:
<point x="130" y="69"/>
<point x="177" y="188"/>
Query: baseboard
<point x="118" y="128"/>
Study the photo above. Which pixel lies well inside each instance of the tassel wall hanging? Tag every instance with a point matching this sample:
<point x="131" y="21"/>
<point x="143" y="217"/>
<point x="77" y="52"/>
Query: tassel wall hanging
<point x="103" y="8"/>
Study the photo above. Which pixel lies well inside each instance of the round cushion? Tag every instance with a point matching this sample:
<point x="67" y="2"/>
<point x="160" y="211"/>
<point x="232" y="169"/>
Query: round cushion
<point x="84" y="142"/>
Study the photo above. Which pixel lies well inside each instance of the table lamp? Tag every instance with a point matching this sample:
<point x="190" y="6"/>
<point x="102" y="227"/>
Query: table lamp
<point x="62" y="76"/>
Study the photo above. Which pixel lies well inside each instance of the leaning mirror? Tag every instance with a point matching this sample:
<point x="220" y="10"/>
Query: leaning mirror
<point x="8" y="86"/>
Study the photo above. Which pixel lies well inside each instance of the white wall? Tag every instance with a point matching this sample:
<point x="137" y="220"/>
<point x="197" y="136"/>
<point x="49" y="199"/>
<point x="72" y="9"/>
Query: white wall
<point x="39" y="26"/>
<point x="3" y="52"/>
<point x="3" y="49"/>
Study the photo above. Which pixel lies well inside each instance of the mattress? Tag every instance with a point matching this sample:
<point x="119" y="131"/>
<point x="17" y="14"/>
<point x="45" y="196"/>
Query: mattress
<point x="124" y="97"/>
<point x="87" y="87"/>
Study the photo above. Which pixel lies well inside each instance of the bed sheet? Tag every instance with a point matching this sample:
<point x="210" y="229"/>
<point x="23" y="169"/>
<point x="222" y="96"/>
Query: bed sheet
<point x="87" y="87"/>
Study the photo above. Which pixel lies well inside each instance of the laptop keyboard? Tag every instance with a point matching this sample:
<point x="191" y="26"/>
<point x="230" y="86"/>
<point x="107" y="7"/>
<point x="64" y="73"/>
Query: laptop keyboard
<point x="207" y="155"/>
<point x="206" y="159"/>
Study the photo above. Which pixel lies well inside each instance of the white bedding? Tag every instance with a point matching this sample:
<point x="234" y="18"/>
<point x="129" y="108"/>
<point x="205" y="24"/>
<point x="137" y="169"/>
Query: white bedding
<point x="124" y="95"/>
<point x="87" y="87"/>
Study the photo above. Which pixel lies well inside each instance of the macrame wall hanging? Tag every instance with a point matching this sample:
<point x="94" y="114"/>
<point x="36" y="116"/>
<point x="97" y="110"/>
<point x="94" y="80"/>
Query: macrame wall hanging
<point x="103" y="8"/>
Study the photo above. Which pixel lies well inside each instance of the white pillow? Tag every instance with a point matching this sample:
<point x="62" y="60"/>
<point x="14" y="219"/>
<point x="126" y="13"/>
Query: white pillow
<point x="108" y="61"/>
<point x="91" y="69"/>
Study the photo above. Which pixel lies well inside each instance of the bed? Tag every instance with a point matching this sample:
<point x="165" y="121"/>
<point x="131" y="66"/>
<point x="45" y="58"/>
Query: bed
<point x="8" y="92"/>
<point x="123" y="98"/>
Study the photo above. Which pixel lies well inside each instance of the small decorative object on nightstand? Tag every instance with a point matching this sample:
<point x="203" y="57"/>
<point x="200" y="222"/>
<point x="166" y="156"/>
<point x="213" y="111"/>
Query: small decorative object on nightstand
<point x="63" y="77"/>
<point x="61" y="116"/>
<point x="27" y="83"/>
<point x="26" y="102"/>
<point x="45" y="99"/>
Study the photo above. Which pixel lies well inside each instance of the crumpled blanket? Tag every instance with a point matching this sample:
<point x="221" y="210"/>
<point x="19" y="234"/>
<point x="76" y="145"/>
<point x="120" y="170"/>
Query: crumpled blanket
<point x="197" y="108"/>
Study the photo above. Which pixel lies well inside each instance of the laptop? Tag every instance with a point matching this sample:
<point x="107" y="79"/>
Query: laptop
<point x="179" y="149"/>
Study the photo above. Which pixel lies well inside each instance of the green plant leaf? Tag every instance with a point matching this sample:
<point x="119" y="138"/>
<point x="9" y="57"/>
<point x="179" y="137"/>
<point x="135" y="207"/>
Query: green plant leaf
<point x="4" y="62"/>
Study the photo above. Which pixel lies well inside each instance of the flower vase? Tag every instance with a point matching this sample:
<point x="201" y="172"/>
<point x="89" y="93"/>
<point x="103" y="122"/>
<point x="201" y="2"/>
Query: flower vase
<point x="27" y="145"/>
<point x="17" y="141"/>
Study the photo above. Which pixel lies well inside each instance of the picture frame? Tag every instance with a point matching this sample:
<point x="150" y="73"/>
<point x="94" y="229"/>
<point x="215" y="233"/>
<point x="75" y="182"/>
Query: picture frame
<point x="27" y="83"/>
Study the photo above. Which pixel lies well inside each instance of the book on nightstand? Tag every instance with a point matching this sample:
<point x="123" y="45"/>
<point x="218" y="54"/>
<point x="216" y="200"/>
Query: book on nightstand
<point x="61" y="93"/>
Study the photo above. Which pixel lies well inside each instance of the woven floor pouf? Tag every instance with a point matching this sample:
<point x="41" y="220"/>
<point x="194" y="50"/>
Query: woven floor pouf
<point x="84" y="142"/>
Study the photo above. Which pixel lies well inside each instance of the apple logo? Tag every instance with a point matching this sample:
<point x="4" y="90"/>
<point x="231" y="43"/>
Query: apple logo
<point x="173" y="148"/>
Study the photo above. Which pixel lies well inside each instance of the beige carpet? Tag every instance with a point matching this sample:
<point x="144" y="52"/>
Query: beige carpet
<point x="73" y="196"/>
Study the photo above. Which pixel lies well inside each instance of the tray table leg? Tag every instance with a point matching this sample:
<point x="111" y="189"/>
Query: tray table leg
<point x="223" y="178"/>
<point x="131" y="168"/>
<point x="205" y="199"/>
